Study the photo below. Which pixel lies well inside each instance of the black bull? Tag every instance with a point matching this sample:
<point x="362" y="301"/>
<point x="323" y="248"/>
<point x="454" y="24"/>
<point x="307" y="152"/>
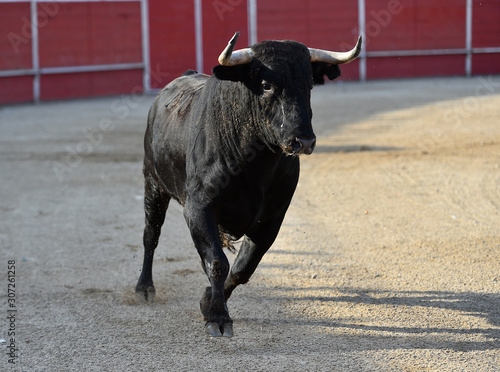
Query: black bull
<point x="226" y="148"/>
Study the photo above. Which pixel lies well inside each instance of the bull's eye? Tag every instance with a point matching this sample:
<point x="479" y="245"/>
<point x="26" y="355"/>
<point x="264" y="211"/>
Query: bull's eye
<point x="266" y="87"/>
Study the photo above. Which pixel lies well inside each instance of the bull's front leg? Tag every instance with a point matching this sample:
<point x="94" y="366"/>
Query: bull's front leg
<point x="204" y="231"/>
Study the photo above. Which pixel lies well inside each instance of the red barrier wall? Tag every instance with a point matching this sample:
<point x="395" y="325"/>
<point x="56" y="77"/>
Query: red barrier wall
<point x="15" y="46"/>
<point x="221" y="19"/>
<point x="171" y="39"/>
<point x="16" y="89"/>
<point x="15" y="52"/>
<point x="486" y="33"/>
<point x="91" y="34"/>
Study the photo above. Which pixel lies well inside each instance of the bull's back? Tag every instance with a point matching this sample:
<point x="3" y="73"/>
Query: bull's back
<point x="167" y="135"/>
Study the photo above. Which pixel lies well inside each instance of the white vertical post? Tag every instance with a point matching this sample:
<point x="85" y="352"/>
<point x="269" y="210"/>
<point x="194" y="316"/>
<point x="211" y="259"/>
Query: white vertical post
<point x="146" y="78"/>
<point x="252" y="21"/>
<point x="198" y="26"/>
<point x="35" y="58"/>
<point x="468" y="37"/>
<point x="362" y="32"/>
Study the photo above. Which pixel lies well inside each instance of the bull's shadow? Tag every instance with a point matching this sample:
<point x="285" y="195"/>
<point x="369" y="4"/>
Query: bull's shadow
<point x="323" y="149"/>
<point x="481" y="305"/>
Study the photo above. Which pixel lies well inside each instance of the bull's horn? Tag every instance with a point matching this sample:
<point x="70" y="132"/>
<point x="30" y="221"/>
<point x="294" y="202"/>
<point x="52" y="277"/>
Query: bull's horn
<point x="238" y="57"/>
<point x="336" y="58"/>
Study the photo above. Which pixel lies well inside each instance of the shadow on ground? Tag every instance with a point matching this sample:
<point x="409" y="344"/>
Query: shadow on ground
<point x="390" y="336"/>
<point x="323" y="149"/>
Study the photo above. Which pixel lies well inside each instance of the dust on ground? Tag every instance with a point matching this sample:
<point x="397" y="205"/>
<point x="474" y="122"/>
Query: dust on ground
<point x="388" y="259"/>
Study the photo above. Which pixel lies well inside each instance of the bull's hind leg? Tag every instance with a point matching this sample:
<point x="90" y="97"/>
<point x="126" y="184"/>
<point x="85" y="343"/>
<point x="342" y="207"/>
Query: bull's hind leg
<point x="155" y="207"/>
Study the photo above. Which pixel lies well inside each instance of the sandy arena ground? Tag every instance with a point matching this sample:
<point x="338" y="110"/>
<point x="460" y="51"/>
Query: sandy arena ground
<point x="388" y="259"/>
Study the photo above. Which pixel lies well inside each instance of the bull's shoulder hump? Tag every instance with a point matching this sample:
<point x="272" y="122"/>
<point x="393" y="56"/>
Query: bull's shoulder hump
<point x="190" y="80"/>
<point x="182" y="90"/>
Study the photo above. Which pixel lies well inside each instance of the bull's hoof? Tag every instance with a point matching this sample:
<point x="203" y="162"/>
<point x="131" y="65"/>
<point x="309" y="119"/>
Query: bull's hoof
<point x="145" y="293"/>
<point x="218" y="330"/>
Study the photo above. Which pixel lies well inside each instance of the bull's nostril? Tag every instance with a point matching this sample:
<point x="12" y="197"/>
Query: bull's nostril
<point x="306" y="145"/>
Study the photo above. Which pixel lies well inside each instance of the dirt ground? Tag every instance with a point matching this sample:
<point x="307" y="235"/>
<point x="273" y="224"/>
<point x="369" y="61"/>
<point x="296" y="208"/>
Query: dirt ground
<point x="388" y="259"/>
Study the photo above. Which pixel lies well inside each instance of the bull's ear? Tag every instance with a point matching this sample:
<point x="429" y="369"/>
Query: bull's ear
<point x="233" y="73"/>
<point x="319" y="69"/>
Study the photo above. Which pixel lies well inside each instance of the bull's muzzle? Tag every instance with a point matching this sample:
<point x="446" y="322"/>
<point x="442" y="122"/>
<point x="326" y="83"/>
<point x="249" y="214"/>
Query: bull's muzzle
<point x="303" y="146"/>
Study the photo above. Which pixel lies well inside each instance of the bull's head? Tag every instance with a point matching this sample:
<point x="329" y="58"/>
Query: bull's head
<point x="281" y="74"/>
